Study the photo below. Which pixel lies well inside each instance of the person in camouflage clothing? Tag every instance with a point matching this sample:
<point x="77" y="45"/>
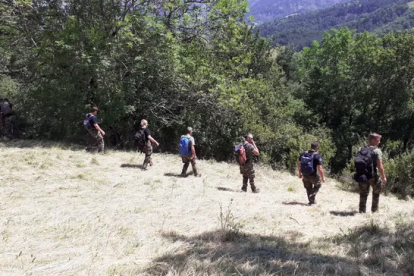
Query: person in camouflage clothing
<point x="148" y="146"/>
<point x="192" y="157"/>
<point x="7" y="117"/>
<point x="312" y="181"/>
<point x="95" y="131"/>
<point x="247" y="169"/>
<point x="375" y="178"/>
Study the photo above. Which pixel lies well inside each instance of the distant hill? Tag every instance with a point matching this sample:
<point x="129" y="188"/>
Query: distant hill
<point x="379" y="16"/>
<point x="269" y="10"/>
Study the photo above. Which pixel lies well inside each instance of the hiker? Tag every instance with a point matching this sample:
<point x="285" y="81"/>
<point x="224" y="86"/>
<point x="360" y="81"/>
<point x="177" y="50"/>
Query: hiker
<point x="244" y="156"/>
<point x="147" y="149"/>
<point x="91" y="125"/>
<point x="188" y="153"/>
<point x="7" y="112"/>
<point x="369" y="168"/>
<point x="311" y="171"/>
<point x="1" y="117"/>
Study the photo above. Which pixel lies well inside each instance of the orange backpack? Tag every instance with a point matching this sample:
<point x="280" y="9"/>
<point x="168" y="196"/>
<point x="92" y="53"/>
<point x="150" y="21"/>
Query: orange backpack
<point x="240" y="153"/>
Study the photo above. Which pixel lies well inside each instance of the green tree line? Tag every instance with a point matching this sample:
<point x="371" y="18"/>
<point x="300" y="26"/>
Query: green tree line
<point x="199" y="63"/>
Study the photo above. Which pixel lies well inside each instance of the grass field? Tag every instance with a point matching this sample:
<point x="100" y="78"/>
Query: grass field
<point x="67" y="212"/>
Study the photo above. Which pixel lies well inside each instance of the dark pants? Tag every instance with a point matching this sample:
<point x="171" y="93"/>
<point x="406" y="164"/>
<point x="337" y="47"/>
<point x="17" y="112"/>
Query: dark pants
<point x="8" y="126"/>
<point x="248" y="173"/>
<point x="376" y="184"/>
<point x="187" y="160"/>
<point x="98" y="139"/>
<point x="312" y="184"/>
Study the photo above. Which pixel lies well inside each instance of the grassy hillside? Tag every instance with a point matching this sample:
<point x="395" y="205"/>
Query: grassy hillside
<point x="67" y="212"/>
<point x="379" y="16"/>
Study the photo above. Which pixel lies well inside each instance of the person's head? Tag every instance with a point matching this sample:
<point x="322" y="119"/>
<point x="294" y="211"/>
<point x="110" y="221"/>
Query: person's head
<point x="144" y="123"/>
<point x="374" y="139"/>
<point x="249" y="137"/>
<point x="6" y="100"/>
<point x="190" y="130"/>
<point x="94" y="110"/>
<point x="315" y="146"/>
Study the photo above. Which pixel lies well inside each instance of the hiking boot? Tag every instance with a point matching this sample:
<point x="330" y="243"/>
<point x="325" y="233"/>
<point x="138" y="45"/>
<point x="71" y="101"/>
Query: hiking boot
<point x="244" y="189"/>
<point x="312" y="202"/>
<point x="256" y="190"/>
<point x="197" y="175"/>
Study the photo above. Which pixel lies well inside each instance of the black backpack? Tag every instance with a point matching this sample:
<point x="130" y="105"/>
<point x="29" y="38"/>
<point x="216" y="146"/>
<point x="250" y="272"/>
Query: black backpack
<point x="6" y="109"/>
<point x="140" y="139"/>
<point x="363" y="161"/>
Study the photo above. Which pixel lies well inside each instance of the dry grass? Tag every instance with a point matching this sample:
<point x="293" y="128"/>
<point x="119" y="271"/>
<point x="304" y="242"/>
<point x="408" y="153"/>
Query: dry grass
<point x="67" y="212"/>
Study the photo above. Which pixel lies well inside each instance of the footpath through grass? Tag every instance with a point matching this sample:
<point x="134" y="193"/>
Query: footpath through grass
<point x="67" y="212"/>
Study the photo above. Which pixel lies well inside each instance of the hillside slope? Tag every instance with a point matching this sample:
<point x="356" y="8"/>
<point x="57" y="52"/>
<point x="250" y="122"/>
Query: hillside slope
<point x="67" y="212"/>
<point x="269" y="10"/>
<point x="380" y="16"/>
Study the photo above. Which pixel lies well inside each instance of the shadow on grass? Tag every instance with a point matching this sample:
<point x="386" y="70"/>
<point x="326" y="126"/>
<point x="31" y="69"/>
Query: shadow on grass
<point x="224" y="189"/>
<point x="233" y="253"/>
<point x="132" y="166"/>
<point x="343" y="213"/>
<point x="370" y="250"/>
<point x="294" y="203"/>
<point x="177" y="174"/>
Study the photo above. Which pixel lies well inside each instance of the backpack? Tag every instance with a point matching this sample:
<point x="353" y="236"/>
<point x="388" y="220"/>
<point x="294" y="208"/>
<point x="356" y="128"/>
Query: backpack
<point x="86" y="122"/>
<point x="363" y="161"/>
<point x="185" y="146"/>
<point x="306" y="163"/>
<point x="6" y="109"/>
<point x="240" y="154"/>
<point x="140" y="139"/>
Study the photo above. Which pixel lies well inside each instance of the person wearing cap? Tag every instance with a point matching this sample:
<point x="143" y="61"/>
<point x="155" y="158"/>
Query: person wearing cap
<point x="191" y="158"/>
<point x="94" y="130"/>
<point x="148" y="146"/>
<point x="247" y="169"/>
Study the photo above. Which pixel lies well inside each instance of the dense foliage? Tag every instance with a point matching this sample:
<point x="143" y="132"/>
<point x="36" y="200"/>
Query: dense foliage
<point x="179" y="63"/>
<point x="378" y="16"/>
<point x="269" y="10"/>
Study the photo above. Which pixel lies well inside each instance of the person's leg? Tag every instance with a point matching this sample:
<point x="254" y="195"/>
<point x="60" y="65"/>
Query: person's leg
<point x="185" y="166"/>
<point x="245" y="178"/>
<point x="316" y="183"/>
<point x="251" y="176"/>
<point x="194" y="166"/>
<point x="100" y="142"/>
<point x="308" y="186"/>
<point x="148" y="158"/>
<point x="376" y="191"/>
<point x="363" y="196"/>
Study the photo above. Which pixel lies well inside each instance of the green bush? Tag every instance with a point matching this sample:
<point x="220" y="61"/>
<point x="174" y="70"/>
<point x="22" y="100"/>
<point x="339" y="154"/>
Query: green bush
<point x="400" y="174"/>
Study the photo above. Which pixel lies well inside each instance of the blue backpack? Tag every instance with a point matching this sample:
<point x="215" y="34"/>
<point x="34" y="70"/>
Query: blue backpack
<point x="306" y="163"/>
<point x="86" y="122"/>
<point x="185" y="146"/>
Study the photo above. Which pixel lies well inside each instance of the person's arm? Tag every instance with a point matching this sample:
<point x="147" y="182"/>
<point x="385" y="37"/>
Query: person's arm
<point x="153" y="140"/>
<point x="321" y="173"/>
<point x="300" y="173"/>
<point x="193" y="151"/>
<point x="255" y="150"/>
<point x="99" y="129"/>
<point x="381" y="171"/>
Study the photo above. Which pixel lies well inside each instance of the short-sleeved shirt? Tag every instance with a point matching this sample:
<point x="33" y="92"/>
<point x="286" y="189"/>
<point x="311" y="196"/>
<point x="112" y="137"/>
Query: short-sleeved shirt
<point x="147" y="133"/>
<point x="192" y="141"/>
<point x="376" y="155"/>
<point x="11" y="108"/>
<point x="317" y="160"/>
<point x="93" y="120"/>
<point x="249" y="150"/>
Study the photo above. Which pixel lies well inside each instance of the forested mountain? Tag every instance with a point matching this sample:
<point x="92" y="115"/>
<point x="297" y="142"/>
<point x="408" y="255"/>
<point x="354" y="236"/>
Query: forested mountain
<point x="379" y="16"/>
<point x="269" y="10"/>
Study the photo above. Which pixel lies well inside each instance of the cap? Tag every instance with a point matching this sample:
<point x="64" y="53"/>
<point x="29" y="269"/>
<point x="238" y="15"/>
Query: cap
<point x="189" y="129"/>
<point x="250" y="135"/>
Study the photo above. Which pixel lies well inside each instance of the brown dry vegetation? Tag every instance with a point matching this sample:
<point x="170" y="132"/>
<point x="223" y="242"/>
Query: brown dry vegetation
<point x="67" y="212"/>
